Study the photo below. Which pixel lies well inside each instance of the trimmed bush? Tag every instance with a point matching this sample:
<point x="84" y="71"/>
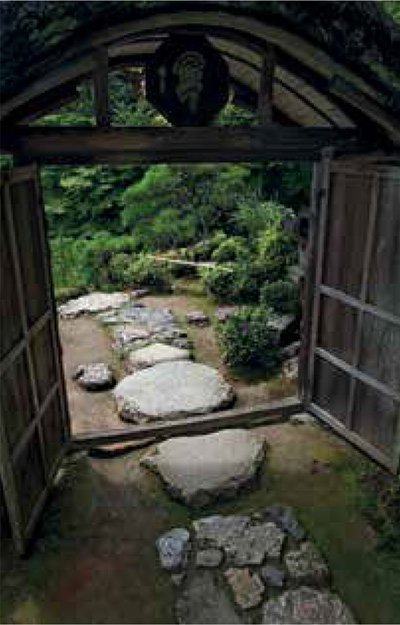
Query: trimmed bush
<point x="231" y="249"/>
<point x="282" y="296"/>
<point x="277" y="251"/>
<point x="146" y="272"/>
<point x="219" y="283"/>
<point x="247" y="341"/>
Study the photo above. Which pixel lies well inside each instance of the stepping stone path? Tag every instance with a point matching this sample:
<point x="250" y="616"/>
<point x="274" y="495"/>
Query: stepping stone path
<point x="171" y="390"/>
<point x="155" y="354"/>
<point x="200" y="469"/>
<point x="212" y="588"/>
<point x="164" y="384"/>
<point x="94" y="377"/>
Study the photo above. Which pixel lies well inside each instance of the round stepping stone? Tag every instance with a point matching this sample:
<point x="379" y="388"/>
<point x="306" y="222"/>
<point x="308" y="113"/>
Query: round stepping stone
<point x="201" y="469"/>
<point x="94" y="377"/>
<point x="308" y="606"/>
<point x="155" y="354"/>
<point x="172" y="390"/>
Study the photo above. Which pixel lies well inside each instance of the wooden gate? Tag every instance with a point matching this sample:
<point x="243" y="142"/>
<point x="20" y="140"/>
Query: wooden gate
<point x="352" y="344"/>
<point x="34" y="424"/>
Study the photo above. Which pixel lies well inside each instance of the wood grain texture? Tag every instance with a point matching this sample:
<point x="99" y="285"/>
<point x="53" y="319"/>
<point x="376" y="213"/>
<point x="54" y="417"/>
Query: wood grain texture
<point x="175" y="145"/>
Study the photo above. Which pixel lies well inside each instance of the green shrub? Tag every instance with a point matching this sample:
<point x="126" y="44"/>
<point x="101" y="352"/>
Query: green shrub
<point x="230" y="249"/>
<point x="118" y="267"/>
<point x="219" y="283"/>
<point x="203" y="250"/>
<point x="247" y="341"/>
<point x="282" y="296"/>
<point x="146" y="272"/>
<point x="277" y="251"/>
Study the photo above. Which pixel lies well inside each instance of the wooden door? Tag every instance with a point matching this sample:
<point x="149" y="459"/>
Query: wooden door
<point x="352" y="338"/>
<point x="34" y="424"/>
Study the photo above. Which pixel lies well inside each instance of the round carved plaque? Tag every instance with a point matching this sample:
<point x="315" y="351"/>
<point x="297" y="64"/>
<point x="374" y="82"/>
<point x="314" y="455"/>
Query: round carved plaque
<point x="187" y="80"/>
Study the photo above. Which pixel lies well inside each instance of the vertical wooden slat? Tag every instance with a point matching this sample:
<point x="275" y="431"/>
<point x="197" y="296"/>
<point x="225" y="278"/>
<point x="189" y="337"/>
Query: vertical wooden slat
<point x="100" y="84"/>
<point x="322" y="208"/>
<point x="52" y="301"/>
<point x="372" y="213"/>
<point x="309" y="282"/>
<point x="266" y="89"/>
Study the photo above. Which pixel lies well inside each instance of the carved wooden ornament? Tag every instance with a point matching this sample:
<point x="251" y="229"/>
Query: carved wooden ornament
<point x="187" y="80"/>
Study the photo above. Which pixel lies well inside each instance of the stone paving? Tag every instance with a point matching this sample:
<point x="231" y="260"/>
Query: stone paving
<point x="258" y="568"/>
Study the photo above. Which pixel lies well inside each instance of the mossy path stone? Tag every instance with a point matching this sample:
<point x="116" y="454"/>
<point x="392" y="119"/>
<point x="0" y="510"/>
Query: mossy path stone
<point x="172" y="390"/>
<point x="200" y="469"/>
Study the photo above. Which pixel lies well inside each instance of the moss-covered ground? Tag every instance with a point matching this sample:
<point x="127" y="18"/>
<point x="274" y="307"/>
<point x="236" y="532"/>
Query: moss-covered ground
<point x="94" y="560"/>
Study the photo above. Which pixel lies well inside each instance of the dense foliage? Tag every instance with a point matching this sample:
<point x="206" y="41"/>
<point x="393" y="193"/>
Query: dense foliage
<point x="247" y="341"/>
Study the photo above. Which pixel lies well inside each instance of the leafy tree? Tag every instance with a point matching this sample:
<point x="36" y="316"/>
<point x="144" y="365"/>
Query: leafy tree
<point x="202" y="198"/>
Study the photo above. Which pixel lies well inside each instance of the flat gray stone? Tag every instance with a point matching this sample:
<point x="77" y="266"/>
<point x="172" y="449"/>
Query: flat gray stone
<point x="173" y="547"/>
<point x="306" y="606"/>
<point x="94" y="377"/>
<point x="284" y="516"/>
<point x="203" y="601"/>
<point x="202" y="469"/>
<point x="172" y="390"/>
<point x="130" y="336"/>
<point x="209" y="558"/>
<point x="273" y="576"/>
<point x="247" y="587"/>
<point x="155" y="354"/>
<point x="306" y="566"/>
<point x="219" y="531"/>
<point x="255" y="544"/>
<point x="93" y="303"/>
<point x="197" y="318"/>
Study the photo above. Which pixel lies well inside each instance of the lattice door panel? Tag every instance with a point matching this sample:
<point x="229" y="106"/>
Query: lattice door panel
<point x="34" y="423"/>
<point x="353" y="376"/>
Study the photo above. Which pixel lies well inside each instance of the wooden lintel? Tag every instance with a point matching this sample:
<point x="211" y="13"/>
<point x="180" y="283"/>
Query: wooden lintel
<point x="271" y="412"/>
<point x="265" y="94"/>
<point x="75" y="145"/>
<point x="100" y="83"/>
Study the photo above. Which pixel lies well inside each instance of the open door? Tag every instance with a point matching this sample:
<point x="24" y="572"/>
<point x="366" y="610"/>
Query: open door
<point x="34" y="424"/>
<point x="352" y="333"/>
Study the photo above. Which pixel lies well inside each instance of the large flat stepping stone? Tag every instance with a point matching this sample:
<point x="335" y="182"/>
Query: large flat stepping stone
<point x="308" y="606"/>
<point x="200" y="469"/>
<point x="172" y="390"/>
<point x="203" y="602"/>
<point x="93" y="303"/>
<point x="155" y="354"/>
